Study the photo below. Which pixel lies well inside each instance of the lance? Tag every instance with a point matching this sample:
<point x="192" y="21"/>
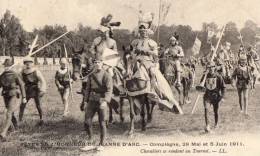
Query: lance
<point x="159" y="20"/>
<point x="33" y="44"/>
<point x="46" y="45"/>
<point x="70" y="85"/>
<point x="201" y="86"/>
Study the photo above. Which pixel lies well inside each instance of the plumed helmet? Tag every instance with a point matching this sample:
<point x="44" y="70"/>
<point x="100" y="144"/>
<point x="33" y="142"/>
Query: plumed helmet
<point x="103" y="29"/>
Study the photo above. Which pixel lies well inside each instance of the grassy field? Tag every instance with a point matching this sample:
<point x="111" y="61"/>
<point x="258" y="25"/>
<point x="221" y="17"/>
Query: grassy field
<point x="58" y="133"/>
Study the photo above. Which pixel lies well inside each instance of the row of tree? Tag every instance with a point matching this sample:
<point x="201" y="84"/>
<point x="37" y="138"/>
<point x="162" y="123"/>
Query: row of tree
<point x="14" y="40"/>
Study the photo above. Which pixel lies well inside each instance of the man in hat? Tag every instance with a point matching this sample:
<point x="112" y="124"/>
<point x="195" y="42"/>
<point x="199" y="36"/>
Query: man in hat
<point x="97" y="95"/>
<point x="35" y="86"/>
<point x="63" y="82"/>
<point x="242" y="77"/>
<point x="214" y="94"/>
<point x="175" y="53"/>
<point x="13" y="86"/>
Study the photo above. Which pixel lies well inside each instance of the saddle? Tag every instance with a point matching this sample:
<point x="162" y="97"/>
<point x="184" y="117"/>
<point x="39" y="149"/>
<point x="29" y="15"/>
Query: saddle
<point x="139" y="81"/>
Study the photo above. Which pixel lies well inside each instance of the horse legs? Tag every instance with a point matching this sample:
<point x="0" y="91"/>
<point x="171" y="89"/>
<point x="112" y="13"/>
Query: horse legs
<point x="150" y="111"/>
<point x="254" y="81"/>
<point x="132" y="116"/>
<point x="143" y="115"/>
<point x="179" y="93"/>
<point x="122" y="119"/>
<point x="110" y="115"/>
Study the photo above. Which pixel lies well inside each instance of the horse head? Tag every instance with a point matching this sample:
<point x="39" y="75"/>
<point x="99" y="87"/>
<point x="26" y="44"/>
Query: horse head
<point x="77" y="61"/>
<point x="127" y="52"/>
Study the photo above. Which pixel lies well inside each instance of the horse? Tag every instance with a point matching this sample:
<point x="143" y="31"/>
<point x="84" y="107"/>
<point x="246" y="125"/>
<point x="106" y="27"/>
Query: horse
<point x="136" y="84"/>
<point x="187" y="80"/>
<point x="82" y="64"/>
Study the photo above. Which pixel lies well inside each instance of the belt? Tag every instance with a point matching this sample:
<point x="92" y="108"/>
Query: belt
<point x="95" y="96"/>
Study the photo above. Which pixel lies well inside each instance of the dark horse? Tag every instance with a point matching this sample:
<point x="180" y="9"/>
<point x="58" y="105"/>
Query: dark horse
<point x="82" y="63"/>
<point x="187" y="77"/>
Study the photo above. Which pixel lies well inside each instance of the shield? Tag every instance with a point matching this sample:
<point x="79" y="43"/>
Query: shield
<point x="211" y="83"/>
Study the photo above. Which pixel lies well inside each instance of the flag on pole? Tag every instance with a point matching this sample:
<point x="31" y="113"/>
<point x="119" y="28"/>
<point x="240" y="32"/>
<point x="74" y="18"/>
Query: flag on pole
<point x="196" y="46"/>
<point x="211" y="32"/>
<point x="218" y="34"/>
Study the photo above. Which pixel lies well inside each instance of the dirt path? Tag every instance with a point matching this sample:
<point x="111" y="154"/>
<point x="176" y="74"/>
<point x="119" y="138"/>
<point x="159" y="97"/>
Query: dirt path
<point x="64" y="136"/>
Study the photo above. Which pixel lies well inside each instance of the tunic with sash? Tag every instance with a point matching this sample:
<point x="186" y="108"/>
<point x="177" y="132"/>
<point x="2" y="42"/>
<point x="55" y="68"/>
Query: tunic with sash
<point x="34" y="83"/>
<point x="11" y="81"/>
<point x="99" y="87"/>
<point x="243" y="77"/>
<point x="215" y="88"/>
<point x="62" y="77"/>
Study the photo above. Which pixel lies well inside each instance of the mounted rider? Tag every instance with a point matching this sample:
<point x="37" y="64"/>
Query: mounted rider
<point x="143" y="74"/>
<point x="223" y="59"/>
<point x="175" y="53"/>
<point x="254" y="58"/>
<point x="145" y="51"/>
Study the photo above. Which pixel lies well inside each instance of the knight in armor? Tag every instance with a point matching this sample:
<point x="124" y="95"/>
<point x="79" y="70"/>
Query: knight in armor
<point x="242" y="77"/>
<point x="13" y="89"/>
<point x="253" y="55"/>
<point x="145" y="50"/>
<point x="214" y="94"/>
<point x="223" y="59"/>
<point x="63" y="82"/>
<point x="98" y="94"/>
<point x="241" y="51"/>
<point x="175" y="53"/>
<point x="35" y="87"/>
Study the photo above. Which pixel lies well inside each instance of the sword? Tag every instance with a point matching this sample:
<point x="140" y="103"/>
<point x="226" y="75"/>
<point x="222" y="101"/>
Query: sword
<point x="33" y="44"/>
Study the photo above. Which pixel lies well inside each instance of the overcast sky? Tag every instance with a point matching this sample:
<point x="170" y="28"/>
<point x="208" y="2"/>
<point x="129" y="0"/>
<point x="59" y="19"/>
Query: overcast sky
<point x="36" y="13"/>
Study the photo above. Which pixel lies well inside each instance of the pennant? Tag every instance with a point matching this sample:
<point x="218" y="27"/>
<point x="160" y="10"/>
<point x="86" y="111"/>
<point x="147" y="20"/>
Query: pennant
<point x="196" y="46"/>
<point x="218" y="34"/>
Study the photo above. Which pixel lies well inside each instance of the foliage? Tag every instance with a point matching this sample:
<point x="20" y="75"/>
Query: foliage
<point x="14" y="40"/>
